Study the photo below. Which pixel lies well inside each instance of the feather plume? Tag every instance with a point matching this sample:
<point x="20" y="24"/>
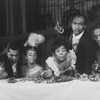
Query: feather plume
<point x="34" y="39"/>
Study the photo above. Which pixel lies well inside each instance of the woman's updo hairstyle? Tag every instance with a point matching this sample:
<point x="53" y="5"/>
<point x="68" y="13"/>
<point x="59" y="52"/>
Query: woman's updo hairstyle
<point x="57" y="43"/>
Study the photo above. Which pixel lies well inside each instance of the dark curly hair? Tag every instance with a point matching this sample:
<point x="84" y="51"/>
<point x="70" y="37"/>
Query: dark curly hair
<point x="57" y="43"/>
<point x="97" y="26"/>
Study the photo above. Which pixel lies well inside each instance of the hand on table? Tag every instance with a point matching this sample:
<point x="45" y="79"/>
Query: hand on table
<point x="47" y="73"/>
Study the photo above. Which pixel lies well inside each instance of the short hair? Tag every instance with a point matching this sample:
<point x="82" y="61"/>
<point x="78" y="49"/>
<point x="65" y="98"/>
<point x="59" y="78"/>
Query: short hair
<point x="57" y="43"/>
<point x="78" y="15"/>
<point x="14" y="46"/>
<point x="97" y="26"/>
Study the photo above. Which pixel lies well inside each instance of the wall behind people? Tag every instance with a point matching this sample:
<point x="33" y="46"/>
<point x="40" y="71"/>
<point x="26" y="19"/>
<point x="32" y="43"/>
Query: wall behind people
<point x="18" y="16"/>
<point x="2" y="18"/>
<point x="32" y="15"/>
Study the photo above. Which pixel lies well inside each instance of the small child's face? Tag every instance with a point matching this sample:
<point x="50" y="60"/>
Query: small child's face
<point x="31" y="56"/>
<point x="96" y="35"/>
<point x="60" y="53"/>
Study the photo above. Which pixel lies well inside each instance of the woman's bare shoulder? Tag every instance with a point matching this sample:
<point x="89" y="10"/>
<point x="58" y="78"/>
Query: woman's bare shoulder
<point x="38" y="66"/>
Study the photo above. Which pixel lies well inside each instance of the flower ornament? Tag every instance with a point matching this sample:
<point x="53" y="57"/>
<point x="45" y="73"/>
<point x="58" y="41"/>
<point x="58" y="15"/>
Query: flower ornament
<point x="34" y="39"/>
<point x="41" y="38"/>
<point x="59" y="28"/>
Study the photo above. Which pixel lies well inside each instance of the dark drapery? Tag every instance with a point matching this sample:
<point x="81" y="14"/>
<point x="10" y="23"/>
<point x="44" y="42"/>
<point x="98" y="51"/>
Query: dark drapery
<point x="18" y="16"/>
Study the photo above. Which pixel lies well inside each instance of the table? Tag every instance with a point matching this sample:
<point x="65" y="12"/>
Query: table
<point x="72" y="90"/>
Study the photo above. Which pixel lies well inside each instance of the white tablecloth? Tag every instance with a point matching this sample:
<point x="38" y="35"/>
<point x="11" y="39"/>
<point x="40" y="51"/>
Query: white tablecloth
<point x="73" y="90"/>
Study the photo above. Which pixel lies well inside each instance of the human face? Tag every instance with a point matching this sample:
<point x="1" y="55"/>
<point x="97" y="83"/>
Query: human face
<point x="13" y="55"/>
<point x="60" y="53"/>
<point x="78" y="25"/>
<point x="96" y="35"/>
<point x="31" y="56"/>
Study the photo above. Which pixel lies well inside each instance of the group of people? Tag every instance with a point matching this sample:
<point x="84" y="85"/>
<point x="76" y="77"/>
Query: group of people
<point x="84" y="42"/>
<point x="77" y="52"/>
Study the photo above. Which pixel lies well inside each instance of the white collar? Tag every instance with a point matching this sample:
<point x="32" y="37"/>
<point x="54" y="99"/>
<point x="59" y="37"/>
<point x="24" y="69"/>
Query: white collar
<point x="78" y="36"/>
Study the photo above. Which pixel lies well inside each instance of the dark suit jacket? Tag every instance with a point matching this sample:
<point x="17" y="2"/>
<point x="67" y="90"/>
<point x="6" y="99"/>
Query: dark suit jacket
<point x="8" y="67"/>
<point x="85" y="53"/>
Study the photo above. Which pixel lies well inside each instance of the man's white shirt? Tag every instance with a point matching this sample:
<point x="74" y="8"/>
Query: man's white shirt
<point x="75" y="39"/>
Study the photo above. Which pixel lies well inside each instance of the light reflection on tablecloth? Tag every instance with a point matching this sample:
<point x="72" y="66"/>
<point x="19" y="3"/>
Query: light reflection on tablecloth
<point x="72" y="90"/>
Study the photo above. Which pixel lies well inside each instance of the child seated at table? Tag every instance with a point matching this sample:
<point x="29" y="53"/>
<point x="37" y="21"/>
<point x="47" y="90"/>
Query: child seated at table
<point x="31" y="68"/>
<point x="61" y="61"/>
<point x="3" y="74"/>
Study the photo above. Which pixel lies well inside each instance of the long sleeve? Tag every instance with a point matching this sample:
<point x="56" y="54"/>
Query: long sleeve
<point x="51" y="64"/>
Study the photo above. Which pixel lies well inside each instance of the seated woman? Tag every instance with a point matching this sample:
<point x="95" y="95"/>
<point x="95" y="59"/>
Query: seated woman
<point x="61" y="61"/>
<point x="31" y="68"/>
<point x="96" y="38"/>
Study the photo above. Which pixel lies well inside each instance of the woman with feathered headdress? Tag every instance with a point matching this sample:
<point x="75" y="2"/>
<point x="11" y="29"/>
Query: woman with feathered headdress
<point x="31" y="68"/>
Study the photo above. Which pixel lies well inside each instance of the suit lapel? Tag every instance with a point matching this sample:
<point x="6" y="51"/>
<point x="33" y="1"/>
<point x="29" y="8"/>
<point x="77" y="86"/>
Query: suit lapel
<point x="82" y="39"/>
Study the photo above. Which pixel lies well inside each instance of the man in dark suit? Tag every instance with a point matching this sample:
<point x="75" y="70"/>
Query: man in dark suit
<point x="80" y="40"/>
<point x="12" y="60"/>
